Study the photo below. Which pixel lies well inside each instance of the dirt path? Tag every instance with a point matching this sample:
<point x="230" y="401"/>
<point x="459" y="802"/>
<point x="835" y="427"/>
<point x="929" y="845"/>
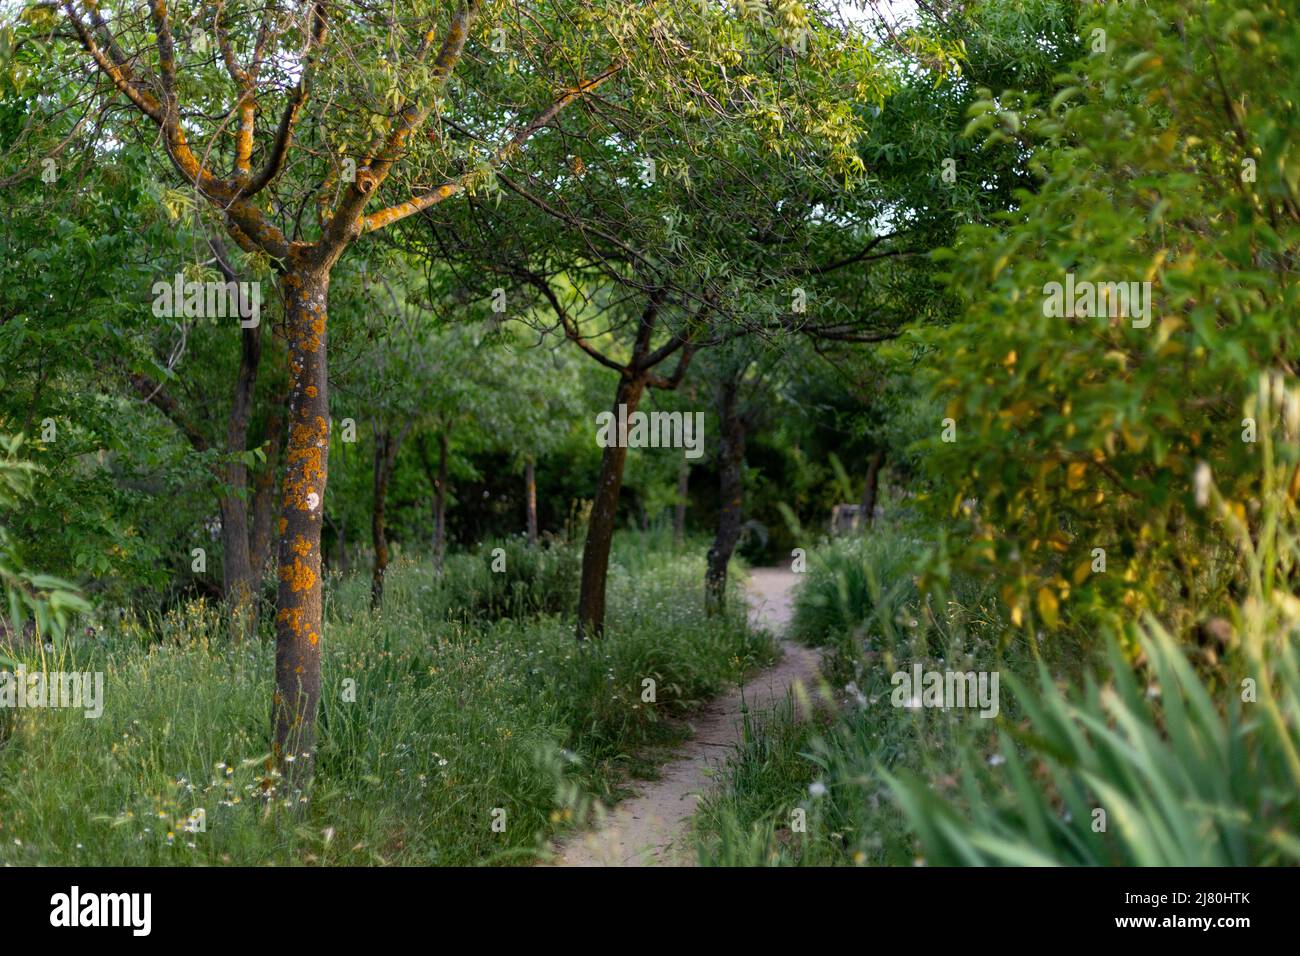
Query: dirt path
<point x="652" y="829"/>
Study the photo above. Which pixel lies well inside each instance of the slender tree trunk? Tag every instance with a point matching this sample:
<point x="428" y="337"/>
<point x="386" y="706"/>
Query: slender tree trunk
<point x="871" y="489"/>
<point x="604" y="514"/>
<point x="239" y="584"/>
<point x="264" y="488"/>
<point x="237" y="568"/>
<point x="731" y="457"/>
<point x="298" y="619"/>
<point x="679" y="510"/>
<point x="530" y="499"/>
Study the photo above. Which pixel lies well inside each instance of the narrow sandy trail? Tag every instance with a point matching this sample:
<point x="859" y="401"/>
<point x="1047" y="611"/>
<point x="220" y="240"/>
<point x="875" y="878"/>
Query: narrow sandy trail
<point x="653" y="828"/>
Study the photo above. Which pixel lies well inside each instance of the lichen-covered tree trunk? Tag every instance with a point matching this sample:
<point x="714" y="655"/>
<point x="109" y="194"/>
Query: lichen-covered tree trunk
<point x="530" y="499"/>
<point x="298" y="623"/>
<point x="731" y="457"/>
<point x="604" y="515"/>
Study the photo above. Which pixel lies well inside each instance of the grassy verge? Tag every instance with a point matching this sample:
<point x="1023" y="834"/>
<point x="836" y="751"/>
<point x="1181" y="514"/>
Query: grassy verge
<point x="440" y="719"/>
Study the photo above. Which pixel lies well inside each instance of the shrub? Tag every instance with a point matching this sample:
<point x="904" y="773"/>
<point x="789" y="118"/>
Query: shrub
<point x="1168" y="156"/>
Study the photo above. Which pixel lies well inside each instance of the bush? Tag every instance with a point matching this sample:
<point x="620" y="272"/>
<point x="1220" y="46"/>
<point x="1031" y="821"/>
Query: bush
<point x="1167" y="157"/>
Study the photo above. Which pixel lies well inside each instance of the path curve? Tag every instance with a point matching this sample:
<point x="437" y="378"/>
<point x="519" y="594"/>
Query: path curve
<point x="653" y="828"/>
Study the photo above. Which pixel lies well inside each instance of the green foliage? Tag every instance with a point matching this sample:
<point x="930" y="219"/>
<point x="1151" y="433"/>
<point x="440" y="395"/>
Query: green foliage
<point x="1148" y="770"/>
<point x="49" y="601"/>
<point x="1194" y="757"/>
<point x="535" y="580"/>
<point x="854" y="581"/>
<point x="1167" y="156"/>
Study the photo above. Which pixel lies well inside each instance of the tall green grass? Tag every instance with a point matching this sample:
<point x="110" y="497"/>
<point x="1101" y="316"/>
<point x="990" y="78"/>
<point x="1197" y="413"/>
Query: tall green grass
<point x="1168" y="772"/>
<point x="436" y="713"/>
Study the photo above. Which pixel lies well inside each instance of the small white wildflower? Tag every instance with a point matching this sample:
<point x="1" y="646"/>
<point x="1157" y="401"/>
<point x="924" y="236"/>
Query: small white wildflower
<point x="1201" y="482"/>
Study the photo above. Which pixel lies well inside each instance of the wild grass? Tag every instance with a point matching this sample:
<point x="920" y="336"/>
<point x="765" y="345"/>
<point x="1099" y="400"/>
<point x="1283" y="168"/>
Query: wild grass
<point x="440" y="717"/>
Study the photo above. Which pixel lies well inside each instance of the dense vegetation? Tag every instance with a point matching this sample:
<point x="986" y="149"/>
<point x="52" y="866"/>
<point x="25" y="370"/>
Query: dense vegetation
<point x="311" y="314"/>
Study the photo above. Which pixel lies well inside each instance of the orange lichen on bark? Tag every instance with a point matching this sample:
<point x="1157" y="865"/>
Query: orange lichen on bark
<point x="309" y="328"/>
<point x="290" y="617"/>
<point x="299" y="575"/>
<point x="306" y="461"/>
<point x="301" y="546"/>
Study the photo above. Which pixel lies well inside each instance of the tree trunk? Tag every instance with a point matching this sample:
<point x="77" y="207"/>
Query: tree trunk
<point x="298" y="615"/>
<point x="239" y="583"/>
<point x="604" y="514"/>
<point x="237" y="568"/>
<point x="731" y="457"/>
<point x="679" y="510"/>
<point x="871" y="489"/>
<point x="264" y="488"/>
<point x="530" y="499"/>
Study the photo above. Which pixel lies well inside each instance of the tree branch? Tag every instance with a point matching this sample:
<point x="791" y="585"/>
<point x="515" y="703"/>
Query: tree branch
<point x="500" y="157"/>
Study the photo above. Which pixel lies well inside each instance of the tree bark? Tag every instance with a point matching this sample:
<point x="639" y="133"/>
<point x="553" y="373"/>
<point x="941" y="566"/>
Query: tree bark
<point x="237" y="567"/>
<point x="604" y="515"/>
<point x="731" y="457"/>
<point x="239" y="581"/>
<point x="264" y="488"/>
<point x="679" y="510"/>
<point x="530" y="499"/>
<point x="871" y="488"/>
<point x="298" y="619"/>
